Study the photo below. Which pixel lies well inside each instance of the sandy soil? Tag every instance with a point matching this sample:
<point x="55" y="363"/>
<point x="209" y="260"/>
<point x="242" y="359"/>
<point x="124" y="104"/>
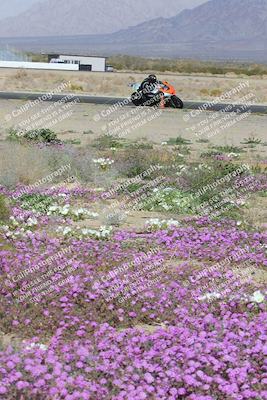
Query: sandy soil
<point x="86" y="121"/>
<point x="196" y="87"/>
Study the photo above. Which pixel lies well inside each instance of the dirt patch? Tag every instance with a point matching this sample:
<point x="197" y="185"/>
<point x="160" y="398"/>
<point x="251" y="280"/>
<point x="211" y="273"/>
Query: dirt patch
<point x="169" y="124"/>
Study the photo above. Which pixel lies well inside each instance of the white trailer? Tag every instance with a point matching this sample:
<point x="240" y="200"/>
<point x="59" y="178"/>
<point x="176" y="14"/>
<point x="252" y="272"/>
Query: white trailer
<point x="85" y="63"/>
<point x="38" y="65"/>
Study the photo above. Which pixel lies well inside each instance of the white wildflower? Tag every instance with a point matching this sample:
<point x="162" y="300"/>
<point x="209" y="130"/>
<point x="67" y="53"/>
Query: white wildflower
<point x="257" y="297"/>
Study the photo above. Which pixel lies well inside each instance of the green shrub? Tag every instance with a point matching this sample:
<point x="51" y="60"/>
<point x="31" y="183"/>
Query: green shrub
<point x="41" y="135"/>
<point x="210" y="154"/>
<point x="179" y="141"/>
<point x="88" y="132"/>
<point x="228" y="149"/>
<point x="72" y="141"/>
<point x="37" y="135"/>
<point x="133" y="187"/>
<point x="105" y="142"/>
<point x="140" y="145"/>
<point x="36" y="202"/>
<point x="251" y="140"/>
<point x="13" y="135"/>
<point x="170" y="200"/>
<point x="4" y="209"/>
<point x="182" y="151"/>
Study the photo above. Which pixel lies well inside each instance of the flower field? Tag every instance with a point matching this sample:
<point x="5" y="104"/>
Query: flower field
<point x="146" y="280"/>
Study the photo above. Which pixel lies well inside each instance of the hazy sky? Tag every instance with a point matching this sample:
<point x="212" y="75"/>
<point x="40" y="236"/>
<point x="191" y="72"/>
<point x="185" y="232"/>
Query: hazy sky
<point x="14" y="7"/>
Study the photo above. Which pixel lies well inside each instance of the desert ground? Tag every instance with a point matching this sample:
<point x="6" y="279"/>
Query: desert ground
<point x="189" y="87"/>
<point x="81" y="122"/>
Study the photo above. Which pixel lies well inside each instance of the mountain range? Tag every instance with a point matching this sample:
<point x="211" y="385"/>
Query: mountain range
<point x="216" y="20"/>
<point x="216" y="29"/>
<point x="80" y="17"/>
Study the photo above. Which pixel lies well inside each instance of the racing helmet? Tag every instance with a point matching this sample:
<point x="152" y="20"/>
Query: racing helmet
<point x="152" y="78"/>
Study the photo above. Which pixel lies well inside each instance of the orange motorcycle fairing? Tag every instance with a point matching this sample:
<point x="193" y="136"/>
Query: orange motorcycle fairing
<point x="168" y="88"/>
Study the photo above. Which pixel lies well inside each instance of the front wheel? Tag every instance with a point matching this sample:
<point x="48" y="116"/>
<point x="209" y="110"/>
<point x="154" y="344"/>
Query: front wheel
<point x="137" y="99"/>
<point x="175" y="102"/>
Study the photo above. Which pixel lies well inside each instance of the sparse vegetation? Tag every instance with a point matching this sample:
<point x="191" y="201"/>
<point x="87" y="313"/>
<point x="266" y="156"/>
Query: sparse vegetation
<point x="216" y="92"/>
<point x="228" y="149"/>
<point x="211" y="92"/>
<point x="21" y="74"/>
<point x="88" y="132"/>
<point x="104" y="142"/>
<point x="73" y="141"/>
<point x="4" y="209"/>
<point x="37" y="57"/>
<point x="179" y="141"/>
<point x="76" y="88"/>
<point x="141" y="145"/>
<point x="251" y="141"/>
<point x="20" y="163"/>
<point x="202" y="140"/>
<point x="186" y="66"/>
<point x="210" y="154"/>
<point x="37" y="135"/>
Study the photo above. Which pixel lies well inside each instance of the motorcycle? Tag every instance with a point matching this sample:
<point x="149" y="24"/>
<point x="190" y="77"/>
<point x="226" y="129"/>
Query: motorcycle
<point x="163" y="90"/>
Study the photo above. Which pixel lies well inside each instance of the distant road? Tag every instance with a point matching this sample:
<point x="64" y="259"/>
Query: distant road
<point x="109" y="101"/>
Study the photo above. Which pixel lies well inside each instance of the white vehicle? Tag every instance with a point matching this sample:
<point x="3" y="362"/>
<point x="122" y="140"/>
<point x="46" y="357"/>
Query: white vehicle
<point x="109" y="68"/>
